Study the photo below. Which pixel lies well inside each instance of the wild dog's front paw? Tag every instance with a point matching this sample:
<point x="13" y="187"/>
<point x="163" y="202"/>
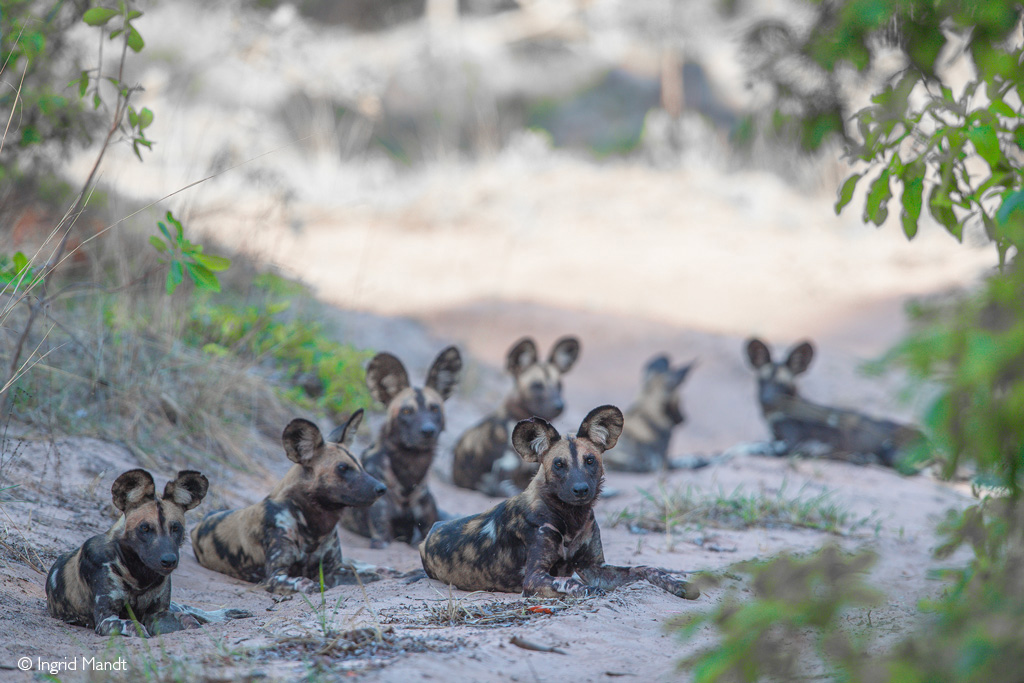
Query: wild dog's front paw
<point x="125" y="627"/>
<point x="286" y="585"/>
<point x="574" y="588"/>
<point x="169" y="622"/>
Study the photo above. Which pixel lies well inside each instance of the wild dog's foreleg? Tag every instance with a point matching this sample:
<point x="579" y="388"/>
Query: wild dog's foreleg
<point x="108" y="602"/>
<point x="541" y="557"/>
<point x="167" y="621"/>
<point x="210" y="617"/>
<point x="378" y="519"/>
<point x="341" y="572"/>
<point x="282" y="553"/>
<point x="426" y="515"/>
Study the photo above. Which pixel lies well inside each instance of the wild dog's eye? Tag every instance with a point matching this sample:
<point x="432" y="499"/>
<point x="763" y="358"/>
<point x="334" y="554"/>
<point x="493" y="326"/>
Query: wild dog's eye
<point x="435" y="408"/>
<point x="537" y="387"/>
<point x="590" y="460"/>
<point x="559" y="464"/>
<point x="175" y="527"/>
<point x="406" y="411"/>
<point x="145" y="528"/>
<point x="342" y="469"/>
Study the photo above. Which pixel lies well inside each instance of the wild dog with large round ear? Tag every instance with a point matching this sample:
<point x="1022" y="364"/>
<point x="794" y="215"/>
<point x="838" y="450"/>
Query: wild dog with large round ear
<point x="657" y="411"/>
<point x="796" y="423"/>
<point x="536" y="541"/>
<point x="289" y="540"/>
<point x="484" y="459"/>
<point x="130" y="566"/>
<point x="404" y="450"/>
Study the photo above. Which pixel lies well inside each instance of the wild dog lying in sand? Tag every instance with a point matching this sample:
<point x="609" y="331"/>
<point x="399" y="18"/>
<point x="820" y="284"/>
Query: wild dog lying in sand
<point x="287" y="539"/>
<point x="643" y="446"/>
<point x="796" y="422"/>
<point x="405" y="447"/>
<point x="484" y="459"/>
<point x="536" y="541"/>
<point x="129" y="567"/>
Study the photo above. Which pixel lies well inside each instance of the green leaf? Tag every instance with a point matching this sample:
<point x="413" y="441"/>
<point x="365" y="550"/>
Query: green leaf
<point x="913" y="189"/>
<point x="145" y="118"/>
<point x="83" y="83"/>
<point x="941" y="208"/>
<point x="158" y="244"/>
<point x="179" y="230"/>
<point x="133" y="118"/>
<point x="20" y="262"/>
<point x="163" y="229"/>
<point x="98" y="16"/>
<point x="1011" y="202"/>
<point x="96" y="101"/>
<point x="846" y="191"/>
<point x="175" y="276"/>
<point x="135" y="41"/>
<point x="875" y="209"/>
<point x="212" y="262"/>
<point x="1003" y="109"/>
<point x="203" y="278"/>
<point x="986" y="143"/>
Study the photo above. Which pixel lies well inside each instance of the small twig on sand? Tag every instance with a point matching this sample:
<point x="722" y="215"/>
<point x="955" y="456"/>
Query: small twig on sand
<point x="527" y="645"/>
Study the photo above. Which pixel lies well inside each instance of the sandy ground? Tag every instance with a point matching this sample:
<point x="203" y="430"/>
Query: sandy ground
<point x="633" y="258"/>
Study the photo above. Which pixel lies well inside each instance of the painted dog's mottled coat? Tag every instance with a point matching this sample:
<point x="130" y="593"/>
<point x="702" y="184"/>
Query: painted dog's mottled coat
<point x="282" y="541"/>
<point x="795" y="421"/>
<point x="405" y="448"/>
<point x="130" y="565"/>
<point x="536" y="541"/>
<point x="484" y="459"/>
<point x="643" y="446"/>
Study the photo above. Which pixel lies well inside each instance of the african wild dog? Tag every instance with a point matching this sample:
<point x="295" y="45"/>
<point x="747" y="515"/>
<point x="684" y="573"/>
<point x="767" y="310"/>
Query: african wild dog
<point x="287" y="539"/>
<point x="535" y="541"/>
<point x="484" y="459"/>
<point x="643" y="446"/>
<point x="404" y="450"/>
<point x="796" y="422"/>
<point x="126" y="572"/>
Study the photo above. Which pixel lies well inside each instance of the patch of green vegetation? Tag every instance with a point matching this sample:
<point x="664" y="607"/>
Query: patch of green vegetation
<point x="665" y="510"/>
<point x="329" y="374"/>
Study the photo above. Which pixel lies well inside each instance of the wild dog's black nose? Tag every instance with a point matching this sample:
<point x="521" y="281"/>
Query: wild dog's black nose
<point x="428" y="429"/>
<point x="558" y="404"/>
<point x="581" y="490"/>
<point x="380" y="489"/>
<point x="169" y="560"/>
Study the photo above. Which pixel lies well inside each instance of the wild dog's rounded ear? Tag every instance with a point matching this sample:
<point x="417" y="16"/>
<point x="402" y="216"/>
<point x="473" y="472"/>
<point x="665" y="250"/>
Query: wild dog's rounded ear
<point x="679" y="374"/>
<point x="522" y="355"/>
<point x="133" y="488"/>
<point x="564" y="353"/>
<point x="758" y="353"/>
<point x="188" y="490"/>
<point x="534" y="437"/>
<point x="799" y="359"/>
<point x="602" y="427"/>
<point x="302" y="440"/>
<point x="386" y="377"/>
<point x="345" y="433"/>
<point x="443" y="375"/>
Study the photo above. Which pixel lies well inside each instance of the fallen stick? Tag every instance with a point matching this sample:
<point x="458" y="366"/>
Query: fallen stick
<point x="527" y="645"/>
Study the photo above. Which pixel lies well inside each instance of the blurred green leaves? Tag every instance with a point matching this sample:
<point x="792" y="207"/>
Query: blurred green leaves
<point x="182" y="256"/>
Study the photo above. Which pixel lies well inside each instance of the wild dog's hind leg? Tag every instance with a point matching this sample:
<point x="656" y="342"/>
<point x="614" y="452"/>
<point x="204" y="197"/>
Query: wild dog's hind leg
<point x="210" y="617"/>
<point x="598" y="575"/>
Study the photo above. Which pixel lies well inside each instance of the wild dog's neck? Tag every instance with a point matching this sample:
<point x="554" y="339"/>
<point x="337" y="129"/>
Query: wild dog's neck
<point x="513" y="409"/>
<point x="409" y="465"/>
<point x="143" y="576"/>
<point x="319" y="520"/>
<point x="571" y="517"/>
<point x="294" y="487"/>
